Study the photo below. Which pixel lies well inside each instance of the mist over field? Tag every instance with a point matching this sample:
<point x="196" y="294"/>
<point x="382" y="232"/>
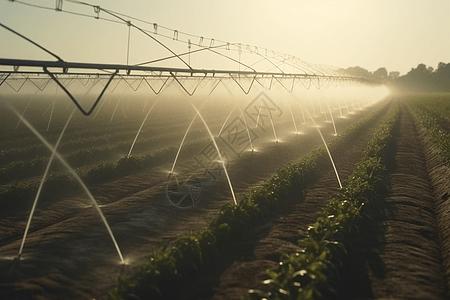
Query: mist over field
<point x="150" y="164"/>
<point x="224" y="150"/>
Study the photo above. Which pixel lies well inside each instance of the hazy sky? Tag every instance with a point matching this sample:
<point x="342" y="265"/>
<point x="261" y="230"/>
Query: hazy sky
<point x="396" y="34"/>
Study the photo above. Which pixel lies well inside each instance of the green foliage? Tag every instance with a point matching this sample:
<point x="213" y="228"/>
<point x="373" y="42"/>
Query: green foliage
<point x="432" y="111"/>
<point x="425" y="79"/>
<point x="304" y="274"/>
<point x="16" y="192"/>
<point x="188" y="253"/>
<point x="59" y="184"/>
<point x="101" y="172"/>
<point x="22" y="169"/>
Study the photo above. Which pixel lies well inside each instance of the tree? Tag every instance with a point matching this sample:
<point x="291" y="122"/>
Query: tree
<point x="394" y="74"/>
<point x="426" y="79"/>
<point x="358" y="72"/>
<point x="443" y="70"/>
<point x="441" y="77"/>
<point x="381" y="73"/>
<point x="419" y="79"/>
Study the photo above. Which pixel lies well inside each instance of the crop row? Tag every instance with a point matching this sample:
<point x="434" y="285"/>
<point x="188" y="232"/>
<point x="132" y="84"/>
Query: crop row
<point x="305" y="273"/>
<point x="39" y="150"/>
<point x="87" y="156"/>
<point x="169" y="266"/>
<point x="24" y="140"/>
<point x="58" y="184"/>
<point x="81" y="126"/>
<point x="438" y="104"/>
<point x="78" y="128"/>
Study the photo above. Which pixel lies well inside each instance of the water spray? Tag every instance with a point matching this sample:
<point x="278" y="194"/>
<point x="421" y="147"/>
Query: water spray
<point x="63" y="161"/>
<point x="98" y="110"/>
<point x="332" y="120"/>
<point x="114" y="112"/>
<point x="303" y="114"/>
<point x="248" y="131"/>
<point x="140" y="128"/>
<point x="24" y="111"/>
<point x="271" y="121"/>
<point x="293" y="119"/>
<point x="42" y="184"/>
<point x="259" y="113"/>
<point x="217" y="149"/>
<point x="145" y="106"/>
<point x="326" y="147"/>
<point x="226" y="120"/>
<point x="51" y="115"/>
<point x="182" y="142"/>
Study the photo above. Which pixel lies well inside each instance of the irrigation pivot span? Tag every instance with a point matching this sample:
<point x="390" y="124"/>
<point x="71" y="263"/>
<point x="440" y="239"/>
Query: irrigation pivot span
<point x="240" y="64"/>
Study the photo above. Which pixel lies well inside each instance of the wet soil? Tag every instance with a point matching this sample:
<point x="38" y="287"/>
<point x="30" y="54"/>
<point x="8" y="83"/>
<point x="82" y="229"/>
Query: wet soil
<point x="403" y="249"/>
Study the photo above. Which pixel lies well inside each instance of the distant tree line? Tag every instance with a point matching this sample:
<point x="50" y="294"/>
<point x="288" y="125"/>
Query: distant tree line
<point x="420" y="79"/>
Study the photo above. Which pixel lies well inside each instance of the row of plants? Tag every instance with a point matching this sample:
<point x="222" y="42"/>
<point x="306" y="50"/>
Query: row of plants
<point x="169" y="267"/>
<point x="22" y="136"/>
<point x="439" y="136"/>
<point x="39" y="150"/>
<point x="311" y="271"/>
<point x="437" y="104"/>
<point x="32" y="148"/>
<point x="81" y="127"/>
<point x="58" y="184"/>
<point x="23" y="169"/>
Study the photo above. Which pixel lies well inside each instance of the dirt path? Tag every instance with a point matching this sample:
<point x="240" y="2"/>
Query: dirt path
<point x="439" y="173"/>
<point x="398" y="253"/>
<point x="244" y="264"/>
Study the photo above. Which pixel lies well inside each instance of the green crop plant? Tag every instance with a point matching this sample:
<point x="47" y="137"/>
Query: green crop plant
<point x="308" y="273"/>
<point x="21" y="169"/>
<point x="432" y="112"/>
<point x="99" y="173"/>
<point x="234" y="222"/>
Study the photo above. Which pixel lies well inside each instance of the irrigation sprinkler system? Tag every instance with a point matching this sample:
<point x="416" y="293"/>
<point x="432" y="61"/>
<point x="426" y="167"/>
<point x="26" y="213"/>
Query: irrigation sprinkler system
<point x="264" y="67"/>
<point x="264" y="70"/>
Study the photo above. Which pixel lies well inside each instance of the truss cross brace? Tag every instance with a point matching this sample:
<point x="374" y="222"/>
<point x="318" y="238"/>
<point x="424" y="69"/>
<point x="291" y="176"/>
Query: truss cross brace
<point x="80" y="108"/>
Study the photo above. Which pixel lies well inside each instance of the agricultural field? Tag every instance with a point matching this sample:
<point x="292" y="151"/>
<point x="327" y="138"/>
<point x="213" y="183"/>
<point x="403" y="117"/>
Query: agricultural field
<point x="286" y="229"/>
